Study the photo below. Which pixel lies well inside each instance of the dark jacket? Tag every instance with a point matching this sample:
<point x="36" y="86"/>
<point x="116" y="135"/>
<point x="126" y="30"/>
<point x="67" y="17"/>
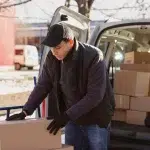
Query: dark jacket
<point x="85" y="82"/>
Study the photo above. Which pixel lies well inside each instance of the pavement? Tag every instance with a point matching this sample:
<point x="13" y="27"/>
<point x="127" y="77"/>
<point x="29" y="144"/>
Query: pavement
<point x="15" y="87"/>
<point x="11" y="68"/>
<point x="6" y="68"/>
<point x="21" y="74"/>
<point x="12" y="81"/>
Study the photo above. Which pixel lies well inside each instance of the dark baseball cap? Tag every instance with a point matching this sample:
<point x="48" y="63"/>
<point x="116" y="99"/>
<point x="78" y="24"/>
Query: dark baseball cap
<point x="56" y="34"/>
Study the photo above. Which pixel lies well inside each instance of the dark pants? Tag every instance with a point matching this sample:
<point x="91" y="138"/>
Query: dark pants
<point x="90" y="137"/>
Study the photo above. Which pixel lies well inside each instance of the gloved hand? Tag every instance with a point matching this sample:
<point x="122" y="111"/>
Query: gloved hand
<point x="19" y="116"/>
<point x="147" y="120"/>
<point x="57" y="123"/>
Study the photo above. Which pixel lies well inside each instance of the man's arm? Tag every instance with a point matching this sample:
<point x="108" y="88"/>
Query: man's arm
<point x="40" y="91"/>
<point x="95" y="89"/>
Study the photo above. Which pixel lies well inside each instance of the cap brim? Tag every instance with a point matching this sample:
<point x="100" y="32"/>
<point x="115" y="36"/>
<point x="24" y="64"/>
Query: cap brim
<point x="51" y="42"/>
<point x="45" y="42"/>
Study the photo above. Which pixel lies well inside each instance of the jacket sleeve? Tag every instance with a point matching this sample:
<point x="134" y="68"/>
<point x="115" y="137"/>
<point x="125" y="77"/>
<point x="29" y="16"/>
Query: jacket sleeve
<point x="40" y="91"/>
<point x="96" y="88"/>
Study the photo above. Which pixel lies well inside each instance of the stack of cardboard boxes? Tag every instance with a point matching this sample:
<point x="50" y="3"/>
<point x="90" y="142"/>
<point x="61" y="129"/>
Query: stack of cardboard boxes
<point x="30" y="134"/>
<point x="132" y="88"/>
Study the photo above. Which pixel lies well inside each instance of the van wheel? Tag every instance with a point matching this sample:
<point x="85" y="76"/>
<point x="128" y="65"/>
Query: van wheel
<point x="17" y="66"/>
<point x="30" y="68"/>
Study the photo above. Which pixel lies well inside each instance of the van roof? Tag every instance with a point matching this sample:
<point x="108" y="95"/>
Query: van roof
<point x="24" y="46"/>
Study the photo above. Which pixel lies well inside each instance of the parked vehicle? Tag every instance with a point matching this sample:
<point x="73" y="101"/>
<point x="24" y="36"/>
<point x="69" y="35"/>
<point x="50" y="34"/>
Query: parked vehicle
<point x="114" y="39"/>
<point x="25" y="56"/>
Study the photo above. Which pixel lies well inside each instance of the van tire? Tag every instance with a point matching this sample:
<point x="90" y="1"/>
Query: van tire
<point x="30" y="68"/>
<point x="17" y="66"/>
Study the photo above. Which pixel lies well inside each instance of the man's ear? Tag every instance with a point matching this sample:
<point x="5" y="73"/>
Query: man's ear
<point x="71" y="42"/>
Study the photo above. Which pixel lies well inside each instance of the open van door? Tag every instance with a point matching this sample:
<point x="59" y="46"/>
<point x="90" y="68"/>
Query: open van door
<point x="80" y="26"/>
<point x="78" y="23"/>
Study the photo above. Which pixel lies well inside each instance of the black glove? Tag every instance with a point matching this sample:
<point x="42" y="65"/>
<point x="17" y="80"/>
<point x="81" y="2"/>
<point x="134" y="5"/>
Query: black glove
<point x="147" y="120"/>
<point x="57" y="123"/>
<point x="20" y="116"/>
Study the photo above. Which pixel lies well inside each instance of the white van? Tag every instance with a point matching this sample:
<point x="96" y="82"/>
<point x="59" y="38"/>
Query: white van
<point x="25" y="56"/>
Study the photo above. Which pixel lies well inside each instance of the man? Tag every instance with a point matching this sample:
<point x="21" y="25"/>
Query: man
<point x="75" y="76"/>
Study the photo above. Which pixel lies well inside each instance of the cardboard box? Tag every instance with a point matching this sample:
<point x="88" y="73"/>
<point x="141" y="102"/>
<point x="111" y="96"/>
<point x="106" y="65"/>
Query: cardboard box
<point x="64" y="147"/>
<point x="131" y="83"/>
<point x="14" y="99"/>
<point x="137" y="58"/>
<point x="149" y="90"/>
<point x="120" y="115"/>
<point x="135" y="117"/>
<point x="122" y="101"/>
<point x="136" y="67"/>
<point x="140" y="104"/>
<point x="28" y="134"/>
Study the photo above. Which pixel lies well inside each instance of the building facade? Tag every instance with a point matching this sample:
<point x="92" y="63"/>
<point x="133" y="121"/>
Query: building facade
<point x="7" y="37"/>
<point x="31" y="33"/>
<point x="34" y="33"/>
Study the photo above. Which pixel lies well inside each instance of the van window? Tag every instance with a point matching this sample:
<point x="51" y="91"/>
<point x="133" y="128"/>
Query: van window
<point x="18" y="51"/>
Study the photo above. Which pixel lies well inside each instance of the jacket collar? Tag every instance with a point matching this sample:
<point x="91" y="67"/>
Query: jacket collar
<point x="73" y="52"/>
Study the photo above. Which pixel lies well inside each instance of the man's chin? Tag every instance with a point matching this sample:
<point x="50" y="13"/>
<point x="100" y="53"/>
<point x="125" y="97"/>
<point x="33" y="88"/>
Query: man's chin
<point x="59" y="58"/>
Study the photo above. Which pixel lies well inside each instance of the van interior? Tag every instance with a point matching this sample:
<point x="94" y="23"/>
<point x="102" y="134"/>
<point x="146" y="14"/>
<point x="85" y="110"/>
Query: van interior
<point x="122" y="40"/>
<point x="115" y="43"/>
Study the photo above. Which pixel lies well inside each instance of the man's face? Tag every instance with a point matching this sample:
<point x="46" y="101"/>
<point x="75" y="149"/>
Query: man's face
<point x="61" y="50"/>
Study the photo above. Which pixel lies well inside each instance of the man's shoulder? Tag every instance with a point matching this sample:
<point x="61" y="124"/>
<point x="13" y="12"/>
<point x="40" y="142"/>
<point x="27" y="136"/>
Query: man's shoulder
<point x="91" y="50"/>
<point x="50" y="59"/>
<point x="50" y="56"/>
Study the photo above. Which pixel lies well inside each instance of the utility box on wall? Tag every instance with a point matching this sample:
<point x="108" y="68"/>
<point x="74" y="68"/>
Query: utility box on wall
<point x="7" y="37"/>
